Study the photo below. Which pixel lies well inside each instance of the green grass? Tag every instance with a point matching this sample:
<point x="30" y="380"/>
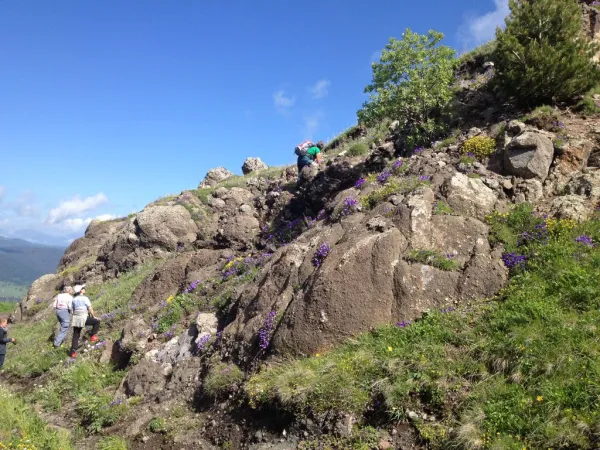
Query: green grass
<point x="73" y="269"/>
<point x="113" y="296"/>
<point x="20" y="424"/>
<point x="486" y="50"/>
<point x="432" y="258"/>
<point x="11" y="291"/>
<point x="358" y="149"/>
<point x="442" y="208"/>
<point x="112" y="443"/>
<point x="519" y="372"/>
<point x="7" y="307"/>
<point x="222" y="379"/>
<point x="392" y="186"/>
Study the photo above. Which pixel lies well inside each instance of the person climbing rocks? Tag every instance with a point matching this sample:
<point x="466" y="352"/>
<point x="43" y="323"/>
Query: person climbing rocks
<point x="309" y="154"/>
<point x="83" y="316"/>
<point x="63" y="305"/>
<point x="4" y="339"/>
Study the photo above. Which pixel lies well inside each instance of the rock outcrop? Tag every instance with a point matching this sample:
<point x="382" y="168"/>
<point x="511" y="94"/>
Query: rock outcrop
<point x="253" y="165"/>
<point x="214" y="177"/>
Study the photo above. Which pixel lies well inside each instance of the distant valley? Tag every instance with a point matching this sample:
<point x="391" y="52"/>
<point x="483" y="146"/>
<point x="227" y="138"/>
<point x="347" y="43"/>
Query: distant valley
<point x="21" y="262"/>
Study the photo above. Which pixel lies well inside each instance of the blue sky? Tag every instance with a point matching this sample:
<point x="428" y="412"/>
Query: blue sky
<point x="108" y="105"/>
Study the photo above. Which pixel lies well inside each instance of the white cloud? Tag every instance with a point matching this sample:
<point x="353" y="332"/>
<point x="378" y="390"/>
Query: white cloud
<point x="25" y="205"/>
<point x="312" y="123"/>
<point x="75" y="224"/>
<point x="68" y="209"/>
<point x="2" y="191"/>
<point x="479" y="29"/>
<point x="376" y="56"/>
<point x="320" y="89"/>
<point x="282" y="102"/>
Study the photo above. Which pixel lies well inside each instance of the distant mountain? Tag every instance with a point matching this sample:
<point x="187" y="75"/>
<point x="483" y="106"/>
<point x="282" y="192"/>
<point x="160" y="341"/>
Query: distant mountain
<point x="21" y="262"/>
<point x="38" y="237"/>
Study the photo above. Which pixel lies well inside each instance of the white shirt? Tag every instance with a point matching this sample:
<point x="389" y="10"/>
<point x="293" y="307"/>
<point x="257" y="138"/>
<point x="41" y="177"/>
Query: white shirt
<point x="63" y="301"/>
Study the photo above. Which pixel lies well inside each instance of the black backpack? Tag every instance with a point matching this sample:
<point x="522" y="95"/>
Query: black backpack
<point x="302" y="149"/>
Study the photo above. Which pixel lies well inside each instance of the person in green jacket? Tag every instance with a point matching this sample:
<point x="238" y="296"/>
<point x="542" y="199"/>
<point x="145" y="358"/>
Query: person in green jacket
<point x="313" y="157"/>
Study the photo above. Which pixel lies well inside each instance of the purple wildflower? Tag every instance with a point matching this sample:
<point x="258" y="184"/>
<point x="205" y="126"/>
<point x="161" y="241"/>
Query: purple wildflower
<point x="203" y="342"/>
<point x="424" y="178"/>
<point x="116" y="402"/>
<point x="163" y="304"/>
<point x="450" y="255"/>
<point x="192" y="287"/>
<point x="38" y="301"/>
<point x="321" y="254"/>
<point x="265" y="332"/>
<point x="514" y="260"/>
<point x="360" y="183"/>
<point x="418" y="150"/>
<point x="398" y="163"/>
<point x="349" y="206"/>
<point x="403" y="324"/>
<point x="383" y="176"/>
<point x="585" y="240"/>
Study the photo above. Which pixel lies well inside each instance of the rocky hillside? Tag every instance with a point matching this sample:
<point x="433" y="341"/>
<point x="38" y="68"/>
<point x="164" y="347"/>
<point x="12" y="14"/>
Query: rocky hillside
<point x="388" y="301"/>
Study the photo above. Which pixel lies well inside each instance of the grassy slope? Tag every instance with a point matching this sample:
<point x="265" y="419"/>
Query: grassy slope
<point x="519" y="372"/>
<point x="31" y="432"/>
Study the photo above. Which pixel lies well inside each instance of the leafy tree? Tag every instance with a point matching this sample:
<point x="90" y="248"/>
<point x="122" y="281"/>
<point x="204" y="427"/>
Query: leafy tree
<point x="542" y="56"/>
<point x="411" y="83"/>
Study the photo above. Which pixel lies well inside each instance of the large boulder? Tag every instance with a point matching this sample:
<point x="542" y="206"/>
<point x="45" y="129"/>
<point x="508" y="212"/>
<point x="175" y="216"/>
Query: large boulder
<point x="529" y="155"/>
<point x="145" y="379"/>
<point x="166" y="227"/>
<point x="214" y="177"/>
<point x="570" y="207"/>
<point x="39" y="296"/>
<point x="470" y="196"/>
<point x="252" y="165"/>
<point x="366" y="279"/>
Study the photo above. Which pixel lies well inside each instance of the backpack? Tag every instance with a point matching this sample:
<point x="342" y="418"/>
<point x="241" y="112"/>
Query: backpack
<point x="302" y="149"/>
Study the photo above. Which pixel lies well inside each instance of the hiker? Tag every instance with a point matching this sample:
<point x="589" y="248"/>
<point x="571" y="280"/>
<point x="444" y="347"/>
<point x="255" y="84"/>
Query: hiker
<point x="308" y="154"/>
<point x="63" y="305"/>
<point x="83" y="315"/>
<point x="4" y="339"/>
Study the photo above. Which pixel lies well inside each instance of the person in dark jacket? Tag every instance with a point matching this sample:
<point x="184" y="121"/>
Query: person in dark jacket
<point x="4" y="339"/>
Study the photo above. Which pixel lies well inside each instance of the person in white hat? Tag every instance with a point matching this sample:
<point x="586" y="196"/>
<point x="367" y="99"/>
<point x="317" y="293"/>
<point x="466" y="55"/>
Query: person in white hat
<point x="83" y="316"/>
<point x="63" y="304"/>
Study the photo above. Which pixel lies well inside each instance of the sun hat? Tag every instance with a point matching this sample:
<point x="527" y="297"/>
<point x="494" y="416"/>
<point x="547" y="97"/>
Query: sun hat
<point x="78" y="288"/>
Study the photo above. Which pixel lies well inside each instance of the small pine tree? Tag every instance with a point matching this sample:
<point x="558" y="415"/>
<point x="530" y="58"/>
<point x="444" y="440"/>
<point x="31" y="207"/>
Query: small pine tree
<point x="542" y="56"/>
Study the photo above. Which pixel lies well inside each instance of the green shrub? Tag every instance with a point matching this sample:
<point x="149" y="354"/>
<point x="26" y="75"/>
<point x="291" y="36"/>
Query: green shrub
<point x="222" y="379"/>
<point x="358" y="149"/>
<point x="433" y="258"/>
<point x="416" y="67"/>
<point x="541" y="56"/>
<point x="479" y="147"/>
<point x="442" y="208"/>
<point x="112" y="443"/>
<point x="587" y="105"/>
<point x="97" y="410"/>
<point x="392" y="187"/>
<point x="158" y="425"/>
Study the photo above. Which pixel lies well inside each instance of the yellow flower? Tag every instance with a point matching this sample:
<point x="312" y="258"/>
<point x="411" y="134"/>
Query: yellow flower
<point x="390" y="349"/>
<point x="318" y="355"/>
<point x="170" y="299"/>
<point x="539" y="398"/>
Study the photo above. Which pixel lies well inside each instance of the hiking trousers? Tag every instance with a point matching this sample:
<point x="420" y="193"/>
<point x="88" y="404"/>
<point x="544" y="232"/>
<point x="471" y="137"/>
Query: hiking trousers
<point x="90" y="321"/>
<point x="2" y="356"/>
<point x="64" y="318"/>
